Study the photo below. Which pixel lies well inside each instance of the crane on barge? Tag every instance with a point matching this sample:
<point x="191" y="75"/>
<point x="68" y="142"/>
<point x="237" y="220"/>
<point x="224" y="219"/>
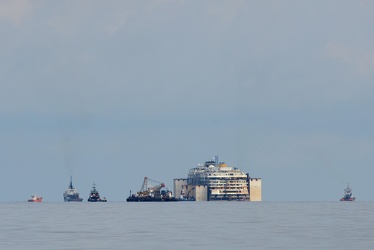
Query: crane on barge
<point x="151" y="191"/>
<point x="148" y="190"/>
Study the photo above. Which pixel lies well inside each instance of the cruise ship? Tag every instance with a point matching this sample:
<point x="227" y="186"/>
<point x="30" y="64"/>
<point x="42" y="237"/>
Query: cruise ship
<point x="215" y="180"/>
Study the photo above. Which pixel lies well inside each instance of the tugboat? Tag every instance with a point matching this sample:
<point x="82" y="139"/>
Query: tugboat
<point x="150" y="193"/>
<point x="348" y="194"/>
<point x="71" y="194"/>
<point x="35" y="198"/>
<point x="95" y="196"/>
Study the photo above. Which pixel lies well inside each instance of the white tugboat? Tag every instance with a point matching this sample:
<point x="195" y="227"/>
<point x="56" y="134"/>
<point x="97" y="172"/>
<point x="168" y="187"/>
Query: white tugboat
<point x="71" y="194"/>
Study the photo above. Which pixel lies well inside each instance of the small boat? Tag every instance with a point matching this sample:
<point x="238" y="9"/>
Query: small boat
<point x="95" y="196"/>
<point x="35" y="198"/>
<point x="348" y="194"/>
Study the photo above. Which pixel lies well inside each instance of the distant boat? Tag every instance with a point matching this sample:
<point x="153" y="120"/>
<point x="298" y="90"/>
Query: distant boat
<point x="71" y="194"/>
<point x="348" y="194"/>
<point x="35" y="198"/>
<point x="95" y="196"/>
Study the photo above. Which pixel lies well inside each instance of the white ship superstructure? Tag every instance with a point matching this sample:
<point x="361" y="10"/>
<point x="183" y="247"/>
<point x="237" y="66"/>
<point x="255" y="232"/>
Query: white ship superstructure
<point x="222" y="182"/>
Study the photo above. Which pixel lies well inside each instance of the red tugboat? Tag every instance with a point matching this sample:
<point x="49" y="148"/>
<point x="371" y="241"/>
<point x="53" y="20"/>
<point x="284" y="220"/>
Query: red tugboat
<point x="35" y="198"/>
<point x="348" y="194"/>
<point x="95" y="196"/>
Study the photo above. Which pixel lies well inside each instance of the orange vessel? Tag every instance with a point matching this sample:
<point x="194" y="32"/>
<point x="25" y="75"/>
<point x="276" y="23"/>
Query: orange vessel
<point x="35" y="198"/>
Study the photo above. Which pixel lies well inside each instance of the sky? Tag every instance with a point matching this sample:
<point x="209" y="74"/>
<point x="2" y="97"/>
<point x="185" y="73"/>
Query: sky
<point x="113" y="91"/>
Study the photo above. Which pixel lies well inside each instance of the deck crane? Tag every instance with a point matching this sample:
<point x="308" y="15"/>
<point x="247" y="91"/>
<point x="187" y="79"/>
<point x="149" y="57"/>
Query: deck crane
<point x="150" y="189"/>
<point x="188" y="194"/>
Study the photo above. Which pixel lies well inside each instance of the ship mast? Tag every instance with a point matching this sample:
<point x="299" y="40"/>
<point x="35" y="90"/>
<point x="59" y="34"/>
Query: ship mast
<point x="71" y="182"/>
<point x="348" y="190"/>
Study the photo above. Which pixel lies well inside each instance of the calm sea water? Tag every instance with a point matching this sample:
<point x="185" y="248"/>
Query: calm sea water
<point x="187" y="225"/>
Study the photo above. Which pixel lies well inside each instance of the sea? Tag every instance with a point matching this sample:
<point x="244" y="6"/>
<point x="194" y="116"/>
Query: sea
<point x="187" y="225"/>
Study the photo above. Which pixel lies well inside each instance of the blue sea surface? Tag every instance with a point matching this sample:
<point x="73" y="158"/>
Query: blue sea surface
<point x="187" y="225"/>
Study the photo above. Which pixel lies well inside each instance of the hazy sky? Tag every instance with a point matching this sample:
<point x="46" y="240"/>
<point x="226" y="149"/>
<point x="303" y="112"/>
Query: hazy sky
<point x="112" y="91"/>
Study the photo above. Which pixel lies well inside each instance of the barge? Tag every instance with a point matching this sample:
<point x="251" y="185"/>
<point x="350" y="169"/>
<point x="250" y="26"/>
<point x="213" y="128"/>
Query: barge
<point x="151" y="192"/>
